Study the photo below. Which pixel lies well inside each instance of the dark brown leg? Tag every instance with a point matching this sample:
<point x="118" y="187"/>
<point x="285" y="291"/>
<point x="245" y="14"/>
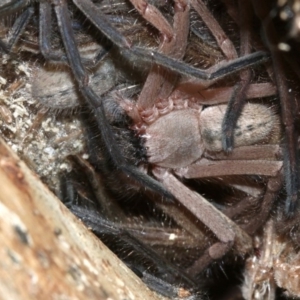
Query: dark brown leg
<point x="263" y="205"/>
<point x="225" y="230"/>
<point x="291" y="159"/>
<point x="238" y="97"/>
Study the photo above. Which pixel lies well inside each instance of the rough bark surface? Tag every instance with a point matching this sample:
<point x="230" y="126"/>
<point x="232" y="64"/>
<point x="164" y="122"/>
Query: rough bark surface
<point x="46" y="253"/>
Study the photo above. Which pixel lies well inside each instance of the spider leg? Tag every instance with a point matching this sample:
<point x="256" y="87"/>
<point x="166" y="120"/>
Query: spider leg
<point x="207" y="168"/>
<point x="291" y="159"/>
<point x="12" y="6"/>
<point x="19" y="27"/>
<point x="225" y="230"/>
<point x="109" y="206"/>
<point x="96" y="103"/>
<point x="45" y="41"/>
<point x="16" y="31"/>
<point x="256" y="40"/>
<point x="204" y="95"/>
<point x="273" y="186"/>
<point x="166" y="289"/>
<point x="264" y="203"/>
<point x="84" y="192"/>
<point x="160" y="82"/>
<point x="100" y="225"/>
<point x="131" y="236"/>
<point x="219" y="71"/>
<point x="182" y="219"/>
<point x="222" y="40"/>
<point x="216" y="72"/>
<point x="154" y="16"/>
<point x="238" y="97"/>
<point x="261" y="152"/>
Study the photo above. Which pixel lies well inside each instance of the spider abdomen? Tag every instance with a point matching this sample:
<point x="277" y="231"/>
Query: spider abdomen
<point x="257" y="124"/>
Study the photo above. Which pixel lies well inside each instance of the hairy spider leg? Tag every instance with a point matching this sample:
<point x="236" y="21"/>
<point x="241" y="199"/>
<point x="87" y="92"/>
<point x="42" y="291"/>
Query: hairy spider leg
<point x="220" y="36"/>
<point x="238" y="97"/>
<point x="45" y="41"/>
<point x="225" y="230"/>
<point x="9" y="8"/>
<point x="95" y="102"/>
<point x="100" y="225"/>
<point x="160" y="82"/>
<point x="99" y="20"/>
<point x="291" y="157"/>
<point x="17" y="30"/>
<point x="97" y="220"/>
<point x="12" y="6"/>
<point x="209" y="215"/>
<point x="219" y="71"/>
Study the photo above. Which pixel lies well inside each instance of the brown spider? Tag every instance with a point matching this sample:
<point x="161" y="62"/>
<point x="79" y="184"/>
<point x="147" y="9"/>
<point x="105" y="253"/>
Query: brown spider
<point x="172" y="99"/>
<point x="179" y="133"/>
<point x="72" y="56"/>
<point x="175" y="125"/>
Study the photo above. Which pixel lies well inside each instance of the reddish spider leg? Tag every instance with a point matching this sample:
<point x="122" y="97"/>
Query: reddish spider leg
<point x="222" y="40"/>
<point x="199" y="86"/>
<point x="286" y="101"/>
<point x="261" y="160"/>
<point x="154" y="16"/>
<point x="160" y="82"/>
<point x="225" y="230"/>
<point x="156" y="76"/>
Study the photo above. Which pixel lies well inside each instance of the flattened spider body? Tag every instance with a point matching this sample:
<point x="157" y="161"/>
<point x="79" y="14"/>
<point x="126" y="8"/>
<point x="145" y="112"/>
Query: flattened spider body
<point x="180" y="138"/>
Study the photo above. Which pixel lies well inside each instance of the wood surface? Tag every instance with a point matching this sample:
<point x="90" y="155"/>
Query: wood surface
<point x="46" y="253"/>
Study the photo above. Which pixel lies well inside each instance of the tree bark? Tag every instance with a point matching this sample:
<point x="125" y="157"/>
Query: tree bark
<point x="46" y="253"/>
